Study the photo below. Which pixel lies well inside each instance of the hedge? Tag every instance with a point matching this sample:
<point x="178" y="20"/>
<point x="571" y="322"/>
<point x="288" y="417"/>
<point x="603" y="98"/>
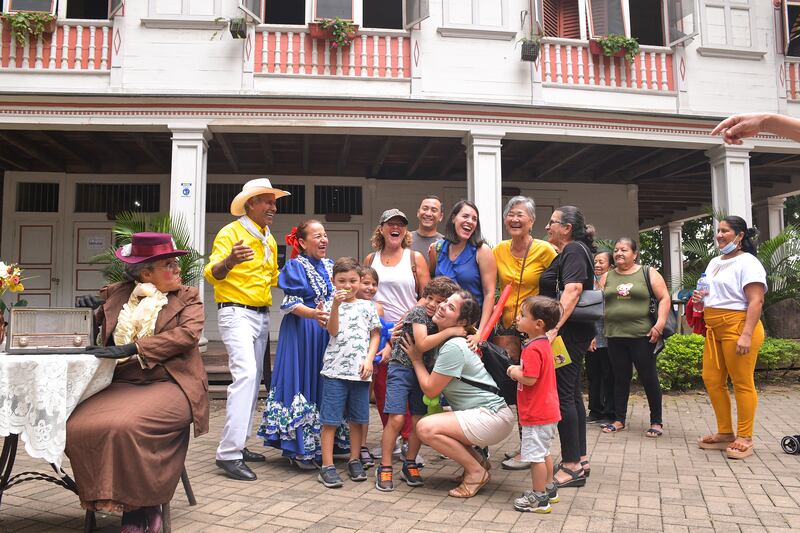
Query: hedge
<point x="680" y="363"/>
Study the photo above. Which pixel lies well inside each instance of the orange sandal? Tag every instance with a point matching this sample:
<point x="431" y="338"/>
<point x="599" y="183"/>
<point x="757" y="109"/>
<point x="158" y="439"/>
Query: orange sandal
<point x="709" y="442"/>
<point x="470" y="489"/>
<point x="739" y="450"/>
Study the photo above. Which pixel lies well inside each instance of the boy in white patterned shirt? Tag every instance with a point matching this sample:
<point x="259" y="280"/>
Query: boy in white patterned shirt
<point x="355" y="328"/>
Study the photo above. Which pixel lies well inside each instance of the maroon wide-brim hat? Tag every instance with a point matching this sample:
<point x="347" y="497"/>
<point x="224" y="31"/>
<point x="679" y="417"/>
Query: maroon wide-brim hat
<point x="146" y="246"/>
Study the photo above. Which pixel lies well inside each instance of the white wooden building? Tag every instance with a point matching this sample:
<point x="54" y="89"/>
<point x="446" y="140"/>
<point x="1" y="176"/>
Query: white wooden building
<point x="156" y="107"/>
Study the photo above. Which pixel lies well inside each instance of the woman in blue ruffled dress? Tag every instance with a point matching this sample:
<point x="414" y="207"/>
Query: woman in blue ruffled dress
<point x="291" y="417"/>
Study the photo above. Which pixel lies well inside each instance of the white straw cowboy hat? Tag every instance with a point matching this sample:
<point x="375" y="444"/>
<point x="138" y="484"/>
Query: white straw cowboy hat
<point x="254" y="188"/>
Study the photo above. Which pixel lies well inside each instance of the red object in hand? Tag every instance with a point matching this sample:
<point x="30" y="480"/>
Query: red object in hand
<point x="496" y="312"/>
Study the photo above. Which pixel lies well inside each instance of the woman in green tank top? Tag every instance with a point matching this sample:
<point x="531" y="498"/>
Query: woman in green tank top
<point x="631" y="334"/>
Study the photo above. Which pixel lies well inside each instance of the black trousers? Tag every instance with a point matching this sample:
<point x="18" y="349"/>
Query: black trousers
<point x="572" y="428"/>
<point x="601" y="384"/>
<point x="625" y="354"/>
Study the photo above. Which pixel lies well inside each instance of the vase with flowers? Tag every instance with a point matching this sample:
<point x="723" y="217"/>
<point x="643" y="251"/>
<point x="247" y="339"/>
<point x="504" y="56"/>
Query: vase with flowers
<point x="10" y="281"/>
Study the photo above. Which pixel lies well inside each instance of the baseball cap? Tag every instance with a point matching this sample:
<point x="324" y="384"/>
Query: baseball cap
<point x="393" y="213"/>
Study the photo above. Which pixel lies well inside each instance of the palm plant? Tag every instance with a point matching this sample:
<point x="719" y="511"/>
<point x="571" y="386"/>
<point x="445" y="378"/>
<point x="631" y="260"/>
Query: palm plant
<point x="130" y="222"/>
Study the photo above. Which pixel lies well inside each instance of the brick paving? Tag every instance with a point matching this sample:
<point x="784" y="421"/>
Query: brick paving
<point x="665" y="484"/>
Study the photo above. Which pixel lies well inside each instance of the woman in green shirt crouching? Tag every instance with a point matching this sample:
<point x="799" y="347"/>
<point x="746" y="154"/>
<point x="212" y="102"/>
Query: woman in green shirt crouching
<point x="479" y="417"/>
<point x="631" y="333"/>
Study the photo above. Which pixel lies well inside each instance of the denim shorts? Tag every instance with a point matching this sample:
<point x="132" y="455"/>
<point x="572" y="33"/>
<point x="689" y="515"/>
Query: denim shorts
<point x="402" y="388"/>
<point x="343" y="396"/>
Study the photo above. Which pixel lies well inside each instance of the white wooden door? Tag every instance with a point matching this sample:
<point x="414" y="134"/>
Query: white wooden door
<point x="88" y="240"/>
<point x="37" y="247"/>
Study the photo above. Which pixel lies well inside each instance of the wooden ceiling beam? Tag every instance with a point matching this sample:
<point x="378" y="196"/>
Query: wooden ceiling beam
<point x="380" y="157"/>
<point x="519" y="170"/>
<point x="32" y="151"/>
<point x="459" y="152"/>
<point x="58" y="143"/>
<point x="266" y="150"/>
<point x="306" y="154"/>
<point x="579" y="151"/>
<point x="150" y="149"/>
<point x="227" y="151"/>
<point x="344" y="153"/>
<point x="420" y="156"/>
<point x="603" y="159"/>
<point x="659" y="161"/>
<point x="9" y="163"/>
<point x="638" y="158"/>
<point x="114" y="154"/>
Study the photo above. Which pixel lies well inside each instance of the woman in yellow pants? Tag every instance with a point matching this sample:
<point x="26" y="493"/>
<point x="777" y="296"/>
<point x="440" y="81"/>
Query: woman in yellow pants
<point x="737" y="284"/>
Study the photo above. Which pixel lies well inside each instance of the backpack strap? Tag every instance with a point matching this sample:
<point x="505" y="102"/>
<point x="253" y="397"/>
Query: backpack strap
<point x="413" y="258"/>
<point x="646" y="274"/>
<point x="370" y="259"/>
<point x="482" y="386"/>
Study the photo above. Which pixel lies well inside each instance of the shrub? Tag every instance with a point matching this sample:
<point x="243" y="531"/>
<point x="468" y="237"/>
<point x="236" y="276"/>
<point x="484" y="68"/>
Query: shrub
<point x="680" y="364"/>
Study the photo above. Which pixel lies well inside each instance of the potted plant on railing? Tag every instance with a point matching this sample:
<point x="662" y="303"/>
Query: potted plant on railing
<point x="339" y="32"/>
<point x="614" y="45"/>
<point x="29" y="23"/>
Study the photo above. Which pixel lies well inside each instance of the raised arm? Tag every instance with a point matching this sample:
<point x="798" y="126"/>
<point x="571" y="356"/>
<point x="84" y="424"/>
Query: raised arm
<point x="737" y="127"/>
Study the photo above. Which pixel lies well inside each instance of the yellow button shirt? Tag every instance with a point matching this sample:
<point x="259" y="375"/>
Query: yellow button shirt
<point x="540" y="256"/>
<point x="248" y="283"/>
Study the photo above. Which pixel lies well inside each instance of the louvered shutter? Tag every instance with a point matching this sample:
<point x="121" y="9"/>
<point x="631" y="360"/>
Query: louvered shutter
<point x="569" y="20"/>
<point x="550" y="16"/>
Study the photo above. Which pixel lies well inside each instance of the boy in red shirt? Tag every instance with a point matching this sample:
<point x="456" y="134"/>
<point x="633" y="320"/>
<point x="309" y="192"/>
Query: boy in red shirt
<point x="537" y="401"/>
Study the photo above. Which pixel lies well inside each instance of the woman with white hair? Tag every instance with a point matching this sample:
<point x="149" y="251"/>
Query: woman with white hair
<point x="520" y="262"/>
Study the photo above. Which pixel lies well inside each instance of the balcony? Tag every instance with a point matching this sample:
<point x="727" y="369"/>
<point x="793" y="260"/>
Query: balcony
<point x="290" y="51"/>
<point x="75" y="46"/>
<point x="568" y="63"/>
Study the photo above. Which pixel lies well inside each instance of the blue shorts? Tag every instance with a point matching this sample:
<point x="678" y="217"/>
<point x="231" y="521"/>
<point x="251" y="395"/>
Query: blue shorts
<point x="402" y="389"/>
<point x="340" y="396"/>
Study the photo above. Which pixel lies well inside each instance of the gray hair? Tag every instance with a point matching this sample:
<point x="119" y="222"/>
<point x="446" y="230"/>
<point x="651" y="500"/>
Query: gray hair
<point x="527" y="201"/>
<point x="133" y="271"/>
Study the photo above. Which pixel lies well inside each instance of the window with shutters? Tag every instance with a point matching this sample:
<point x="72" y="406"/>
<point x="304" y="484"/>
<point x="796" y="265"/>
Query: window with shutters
<point x="200" y="14"/>
<point x="728" y="29"/>
<point x="561" y="18"/>
<point x="488" y="19"/>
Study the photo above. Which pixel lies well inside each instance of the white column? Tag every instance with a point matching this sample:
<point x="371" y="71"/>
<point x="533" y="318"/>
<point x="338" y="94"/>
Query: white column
<point x="672" y="253"/>
<point x="769" y="216"/>
<point x="484" y="181"/>
<point x="730" y="180"/>
<point x="187" y="193"/>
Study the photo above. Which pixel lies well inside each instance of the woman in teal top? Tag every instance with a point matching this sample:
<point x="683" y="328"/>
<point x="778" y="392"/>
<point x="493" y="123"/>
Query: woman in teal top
<point x="631" y="334"/>
<point x="479" y="417"/>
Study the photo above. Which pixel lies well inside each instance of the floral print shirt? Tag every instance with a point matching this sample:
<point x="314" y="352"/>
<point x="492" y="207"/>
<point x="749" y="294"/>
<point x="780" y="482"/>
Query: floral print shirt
<point x="348" y="348"/>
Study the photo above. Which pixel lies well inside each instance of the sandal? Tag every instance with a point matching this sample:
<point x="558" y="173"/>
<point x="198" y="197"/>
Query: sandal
<point x="577" y="478"/>
<point x="709" y="442"/>
<point x="484" y="462"/>
<point x="612" y="427"/>
<point x="468" y="490"/>
<point x="741" y="450"/>
<point x="654" y="433"/>
<point x="586" y="471"/>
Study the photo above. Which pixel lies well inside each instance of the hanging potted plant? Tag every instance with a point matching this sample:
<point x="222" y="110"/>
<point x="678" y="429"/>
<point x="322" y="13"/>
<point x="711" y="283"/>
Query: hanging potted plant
<point x="29" y="23"/>
<point x="238" y="28"/>
<point x="339" y="32"/>
<point x="614" y="45"/>
<point x="530" y="48"/>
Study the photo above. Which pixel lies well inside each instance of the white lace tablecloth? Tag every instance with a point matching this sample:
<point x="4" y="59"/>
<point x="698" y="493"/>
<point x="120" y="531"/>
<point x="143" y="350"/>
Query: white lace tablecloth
<point x="39" y="392"/>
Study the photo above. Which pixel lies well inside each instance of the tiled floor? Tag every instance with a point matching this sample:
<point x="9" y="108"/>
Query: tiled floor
<point x="665" y="484"/>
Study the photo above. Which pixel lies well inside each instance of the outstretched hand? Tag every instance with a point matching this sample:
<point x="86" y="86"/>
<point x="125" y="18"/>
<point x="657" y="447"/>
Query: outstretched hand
<point x="737" y="127"/>
<point x="113" y="352"/>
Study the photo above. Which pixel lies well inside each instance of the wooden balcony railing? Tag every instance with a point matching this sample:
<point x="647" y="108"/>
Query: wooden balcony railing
<point x="76" y="45"/>
<point x="569" y="62"/>
<point x="372" y="54"/>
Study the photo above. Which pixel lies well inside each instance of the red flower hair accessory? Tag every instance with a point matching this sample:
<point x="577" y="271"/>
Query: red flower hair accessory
<point x="291" y="240"/>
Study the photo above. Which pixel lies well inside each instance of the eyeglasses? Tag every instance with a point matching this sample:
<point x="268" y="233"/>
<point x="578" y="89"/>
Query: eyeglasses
<point x="554" y="222"/>
<point x="173" y="266"/>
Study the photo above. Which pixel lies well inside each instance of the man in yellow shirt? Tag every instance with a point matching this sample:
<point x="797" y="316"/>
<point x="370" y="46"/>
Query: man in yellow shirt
<point x="243" y="268"/>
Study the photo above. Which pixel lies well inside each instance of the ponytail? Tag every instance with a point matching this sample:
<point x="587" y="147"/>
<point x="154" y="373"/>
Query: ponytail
<point x="738" y="225"/>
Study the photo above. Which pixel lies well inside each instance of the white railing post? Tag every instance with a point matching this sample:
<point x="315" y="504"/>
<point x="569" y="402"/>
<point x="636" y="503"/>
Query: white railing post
<point x="302" y="55"/>
<point x="581" y="50"/>
<point x="339" y="55"/>
<point x="569" y="65"/>
<point x="92" y="61"/>
<point x="290" y="52"/>
<point x="264" y="51"/>
<point x="613" y="71"/>
<point x="39" y="52"/>
<point x="104" y="50"/>
<point x="277" y="56"/>
<point x="26" y="54"/>
<point x="12" y="53"/>
<point x="363" y="72"/>
<point x="591" y="67"/>
<point x="634" y="68"/>
<point x="653" y="72"/>
<point x="79" y="49"/>
<point x="315" y="57"/>
<point x="327" y="67"/>
<point x="388" y="71"/>
<point x="664" y="84"/>
<point x="351" y="58"/>
<point x="547" y="75"/>
<point x="400" y="53"/>
<point x="643" y="67"/>
<point x="375" y="61"/>
<point x="559" y="76"/>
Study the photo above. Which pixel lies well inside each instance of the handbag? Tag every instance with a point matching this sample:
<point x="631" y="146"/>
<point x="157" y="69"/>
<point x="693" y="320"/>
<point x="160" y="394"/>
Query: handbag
<point x="591" y="303"/>
<point x="496" y="362"/>
<point x="510" y="338"/>
<point x="671" y="326"/>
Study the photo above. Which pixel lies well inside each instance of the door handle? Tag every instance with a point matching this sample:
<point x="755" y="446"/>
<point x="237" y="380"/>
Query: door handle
<point x="55" y="280"/>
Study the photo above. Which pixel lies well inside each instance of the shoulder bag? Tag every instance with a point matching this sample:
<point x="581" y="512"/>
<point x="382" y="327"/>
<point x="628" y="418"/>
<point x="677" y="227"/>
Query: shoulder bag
<point x="510" y="338"/>
<point x="671" y="326"/>
<point x="591" y="304"/>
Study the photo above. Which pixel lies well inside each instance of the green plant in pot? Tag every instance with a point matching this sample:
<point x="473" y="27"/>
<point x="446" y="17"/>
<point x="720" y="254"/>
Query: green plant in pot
<point x="530" y="47"/>
<point x="339" y="32"/>
<point x="615" y="45"/>
<point x="25" y="24"/>
<point x="238" y="28"/>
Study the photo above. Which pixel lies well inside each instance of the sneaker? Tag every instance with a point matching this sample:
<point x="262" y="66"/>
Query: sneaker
<point x="367" y="460"/>
<point x="552" y="492"/>
<point x="329" y="477"/>
<point x="410" y="473"/>
<point x="531" y="502"/>
<point x="383" y="479"/>
<point x="420" y="461"/>
<point x="356" y="470"/>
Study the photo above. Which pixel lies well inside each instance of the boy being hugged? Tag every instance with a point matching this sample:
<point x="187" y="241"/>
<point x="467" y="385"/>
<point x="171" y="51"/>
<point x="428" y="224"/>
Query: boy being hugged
<point x="537" y="401"/>
<point x="402" y="387"/>
<point x="355" y="329"/>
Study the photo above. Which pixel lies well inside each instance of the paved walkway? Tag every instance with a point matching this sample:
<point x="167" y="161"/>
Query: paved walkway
<point x="665" y="484"/>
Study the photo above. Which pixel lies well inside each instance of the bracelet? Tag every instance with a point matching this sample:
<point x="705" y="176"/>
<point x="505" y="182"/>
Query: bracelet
<point x="225" y="264"/>
<point x="659" y="332"/>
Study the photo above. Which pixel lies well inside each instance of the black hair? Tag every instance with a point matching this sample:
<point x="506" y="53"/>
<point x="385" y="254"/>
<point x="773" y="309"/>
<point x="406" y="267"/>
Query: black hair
<point x="633" y="244"/>
<point x="346" y="264"/>
<point x="476" y="239"/>
<point x="440" y="286"/>
<point x="470" y="310"/>
<point x="366" y="270"/>
<point x="572" y="215"/>
<point x="609" y="257"/>
<point x="302" y="231"/>
<point x="548" y="310"/>
<point x="738" y="225"/>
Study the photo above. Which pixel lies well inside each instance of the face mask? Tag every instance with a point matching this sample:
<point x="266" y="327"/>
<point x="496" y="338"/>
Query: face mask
<point x="728" y="248"/>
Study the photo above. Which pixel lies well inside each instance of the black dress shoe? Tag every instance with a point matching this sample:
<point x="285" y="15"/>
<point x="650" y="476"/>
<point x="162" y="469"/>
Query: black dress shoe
<point x="252" y="457"/>
<point x="236" y="469"/>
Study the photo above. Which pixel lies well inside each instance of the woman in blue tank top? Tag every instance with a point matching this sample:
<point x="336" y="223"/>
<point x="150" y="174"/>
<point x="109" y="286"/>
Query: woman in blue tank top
<point x="464" y="257"/>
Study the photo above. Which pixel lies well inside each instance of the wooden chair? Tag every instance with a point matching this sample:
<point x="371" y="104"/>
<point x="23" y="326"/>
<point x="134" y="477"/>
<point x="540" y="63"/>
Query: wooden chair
<point x="89" y="522"/>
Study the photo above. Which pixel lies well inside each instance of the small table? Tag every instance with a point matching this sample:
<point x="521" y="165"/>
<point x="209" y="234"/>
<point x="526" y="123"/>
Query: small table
<point x="37" y="395"/>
